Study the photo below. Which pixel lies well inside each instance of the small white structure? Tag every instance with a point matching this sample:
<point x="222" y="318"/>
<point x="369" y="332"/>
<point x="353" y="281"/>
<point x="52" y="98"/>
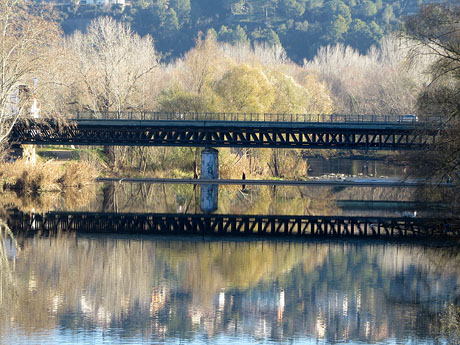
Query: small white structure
<point x="103" y="2"/>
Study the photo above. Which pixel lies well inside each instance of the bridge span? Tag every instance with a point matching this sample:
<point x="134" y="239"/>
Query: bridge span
<point x="230" y="130"/>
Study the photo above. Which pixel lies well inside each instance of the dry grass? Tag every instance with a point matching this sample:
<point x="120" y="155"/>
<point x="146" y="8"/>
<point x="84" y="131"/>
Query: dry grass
<point x="26" y="177"/>
<point x="78" y="174"/>
<point x="48" y="176"/>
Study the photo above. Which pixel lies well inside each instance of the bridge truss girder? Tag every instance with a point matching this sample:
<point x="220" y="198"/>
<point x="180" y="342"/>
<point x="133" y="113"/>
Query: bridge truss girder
<point x="327" y="137"/>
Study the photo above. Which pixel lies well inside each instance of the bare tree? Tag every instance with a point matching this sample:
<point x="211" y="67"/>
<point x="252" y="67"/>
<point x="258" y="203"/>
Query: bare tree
<point x="380" y="82"/>
<point x="435" y="31"/>
<point x="25" y="33"/>
<point x="109" y="65"/>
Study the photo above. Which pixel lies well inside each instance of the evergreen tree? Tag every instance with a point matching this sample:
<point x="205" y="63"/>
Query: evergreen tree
<point x="182" y="9"/>
<point x="368" y="9"/>
<point x="337" y="28"/>
<point x="291" y="8"/>
<point x="171" y="24"/>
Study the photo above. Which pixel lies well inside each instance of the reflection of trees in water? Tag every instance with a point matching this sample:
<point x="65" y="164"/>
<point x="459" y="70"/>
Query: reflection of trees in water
<point x="146" y="197"/>
<point x="374" y="193"/>
<point x="80" y="282"/>
<point x="70" y="199"/>
<point x="7" y="280"/>
<point x="375" y="292"/>
<point x="287" y="200"/>
<point x="273" y="289"/>
<point x="208" y="267"/>
<point x="100" y="279"/>
<point x="448" y="325"/>
<point x="182" y="198"/>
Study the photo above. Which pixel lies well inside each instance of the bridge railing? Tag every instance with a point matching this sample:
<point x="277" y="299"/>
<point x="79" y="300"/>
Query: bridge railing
<point x="247" y="117"/>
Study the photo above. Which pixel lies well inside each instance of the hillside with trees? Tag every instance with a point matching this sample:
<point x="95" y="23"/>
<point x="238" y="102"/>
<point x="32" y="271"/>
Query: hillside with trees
<point x="300" y="26"/>
<point x="113" y="66"/>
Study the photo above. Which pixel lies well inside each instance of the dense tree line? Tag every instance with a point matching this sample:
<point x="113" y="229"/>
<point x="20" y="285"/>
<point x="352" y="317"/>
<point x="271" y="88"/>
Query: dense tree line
<point x="110" y="67"/>
<point x="300" y="26"/>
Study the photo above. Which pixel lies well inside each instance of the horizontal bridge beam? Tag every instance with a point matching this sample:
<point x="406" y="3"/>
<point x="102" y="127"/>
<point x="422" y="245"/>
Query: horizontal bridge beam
<point x="206" y="134"/>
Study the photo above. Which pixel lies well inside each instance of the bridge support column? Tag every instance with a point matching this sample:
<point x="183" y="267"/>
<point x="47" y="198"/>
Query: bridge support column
<point x="29" y="153"/>
<point x="209" y="193"/>
<point x="209" y="163"/>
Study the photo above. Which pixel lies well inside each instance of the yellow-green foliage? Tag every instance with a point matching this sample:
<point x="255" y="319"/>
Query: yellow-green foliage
<point x="290" y="97"/>
<point x="209" y="80"/>
<point x="318" y="99"/>
<point x="176" y="99"/>
<point x="245" y="89"/>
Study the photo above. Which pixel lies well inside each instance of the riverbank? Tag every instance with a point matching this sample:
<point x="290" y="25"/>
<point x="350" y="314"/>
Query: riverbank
<point x="164" y="162"/>
<point x="23" y="176"/>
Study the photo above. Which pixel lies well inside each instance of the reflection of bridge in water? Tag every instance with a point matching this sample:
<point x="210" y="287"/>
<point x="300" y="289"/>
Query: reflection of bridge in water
<point x="236" y="225"/>
<point x="383" y="132"/>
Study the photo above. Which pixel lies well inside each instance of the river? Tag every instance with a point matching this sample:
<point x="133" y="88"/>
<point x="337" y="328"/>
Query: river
<point x="74" y="288"/>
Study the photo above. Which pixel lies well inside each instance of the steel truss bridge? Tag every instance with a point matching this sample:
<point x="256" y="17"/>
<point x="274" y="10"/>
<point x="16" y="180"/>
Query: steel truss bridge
<point x="234" y="225"/>
<point x="230" y="130"/>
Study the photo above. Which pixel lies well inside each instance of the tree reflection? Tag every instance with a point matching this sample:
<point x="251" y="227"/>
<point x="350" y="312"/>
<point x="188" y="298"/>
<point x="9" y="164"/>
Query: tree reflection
<point x="69" y="199"/>
<point x="7" y="281"/>
<point x="182" y="198"/>
<point x="449" y="325"/>
<point x="185" y="198"/>
<point x="276" y="290"/>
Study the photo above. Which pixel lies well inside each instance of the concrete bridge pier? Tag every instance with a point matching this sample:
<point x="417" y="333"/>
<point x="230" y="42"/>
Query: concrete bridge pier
<point x="209" y="163"/>
<point x="209" y="193"/>
<point x="27" y="152"/>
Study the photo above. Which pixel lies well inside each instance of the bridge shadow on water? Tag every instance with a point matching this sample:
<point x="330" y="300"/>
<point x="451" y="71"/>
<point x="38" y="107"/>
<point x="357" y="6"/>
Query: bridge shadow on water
<point x="287" y="226"/>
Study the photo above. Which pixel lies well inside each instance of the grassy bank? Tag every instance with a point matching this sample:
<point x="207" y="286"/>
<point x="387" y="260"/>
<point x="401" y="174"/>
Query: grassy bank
<point x="179" y="162"/>
<point x="46" y="176"/>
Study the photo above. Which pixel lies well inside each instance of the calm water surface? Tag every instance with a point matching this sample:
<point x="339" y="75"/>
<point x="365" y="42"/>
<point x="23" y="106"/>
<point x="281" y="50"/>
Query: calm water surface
<point x="262" y="200"/>
<point x="107" y="289"/>
<point x="150" y="290"/>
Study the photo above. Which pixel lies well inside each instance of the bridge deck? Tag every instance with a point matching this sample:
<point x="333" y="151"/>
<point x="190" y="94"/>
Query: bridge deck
<point x="365" y="125"/>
